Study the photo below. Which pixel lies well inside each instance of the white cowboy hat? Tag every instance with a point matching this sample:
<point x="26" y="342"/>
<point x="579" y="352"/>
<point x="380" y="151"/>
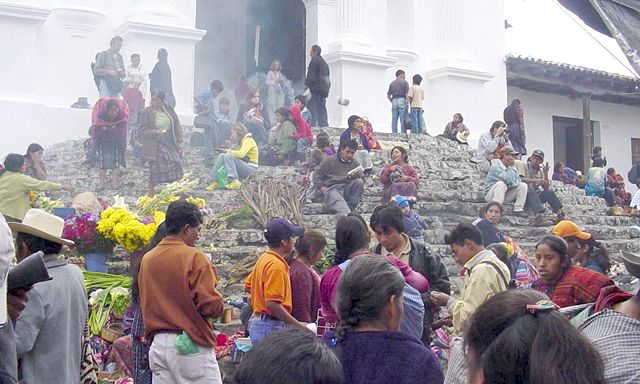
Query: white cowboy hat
<point x="462" y="137"/>
<point x="43" y="225"/>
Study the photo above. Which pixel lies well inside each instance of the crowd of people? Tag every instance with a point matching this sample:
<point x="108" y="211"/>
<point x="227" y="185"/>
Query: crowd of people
<point x="370" y="316"/>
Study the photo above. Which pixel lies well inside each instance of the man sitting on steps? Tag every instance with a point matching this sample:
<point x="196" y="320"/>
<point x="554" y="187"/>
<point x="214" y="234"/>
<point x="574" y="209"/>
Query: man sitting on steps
<point x="536" y="175"/>
<point x="339" y="178"/>
<point x="503" y="182"/>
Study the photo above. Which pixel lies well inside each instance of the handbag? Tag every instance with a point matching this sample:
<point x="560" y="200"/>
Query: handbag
<point x="408" y="122"/>
<point x="88" y="364"/>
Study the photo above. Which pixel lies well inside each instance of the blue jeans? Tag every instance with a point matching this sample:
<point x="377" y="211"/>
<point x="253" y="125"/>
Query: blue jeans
<point x="416" y="114"/>
<point x="261" y="326"/>
<point x="398" y="109"/>
<point x="236" y="168"/>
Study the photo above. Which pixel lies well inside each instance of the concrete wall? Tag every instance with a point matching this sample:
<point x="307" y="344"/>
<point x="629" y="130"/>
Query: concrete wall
<point x="618" y="124"/>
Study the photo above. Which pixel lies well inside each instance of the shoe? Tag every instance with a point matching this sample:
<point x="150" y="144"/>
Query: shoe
<point x="234" y="184"/>
<point x="212" y="187"/>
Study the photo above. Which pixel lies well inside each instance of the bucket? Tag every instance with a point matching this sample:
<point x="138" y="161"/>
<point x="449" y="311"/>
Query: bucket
<point x="63" y="213"/>
<point x="227" y="315"/>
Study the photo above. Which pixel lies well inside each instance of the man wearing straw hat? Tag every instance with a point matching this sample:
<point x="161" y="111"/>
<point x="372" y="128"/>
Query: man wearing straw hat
<point x="614" y="328"/>
<point x="49" y="329"/>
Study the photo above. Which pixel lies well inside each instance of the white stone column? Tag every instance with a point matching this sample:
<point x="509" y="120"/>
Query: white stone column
<point x="357" y="60"/>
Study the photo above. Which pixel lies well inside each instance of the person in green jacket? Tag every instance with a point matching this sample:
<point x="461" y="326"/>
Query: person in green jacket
<point x="285" y="144"/>
<point x="15" y="187"/>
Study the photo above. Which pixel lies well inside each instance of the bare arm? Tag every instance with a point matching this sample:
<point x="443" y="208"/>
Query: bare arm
<point x="278" y="311"/>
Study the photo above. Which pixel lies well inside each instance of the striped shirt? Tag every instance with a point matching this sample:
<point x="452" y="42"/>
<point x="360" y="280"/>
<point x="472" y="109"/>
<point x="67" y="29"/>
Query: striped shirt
<point x="617" y="338"/>
<point x="413" y="312"/>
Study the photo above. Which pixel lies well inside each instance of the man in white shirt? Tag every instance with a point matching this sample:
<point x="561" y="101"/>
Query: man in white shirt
<point x="137" y="74"/>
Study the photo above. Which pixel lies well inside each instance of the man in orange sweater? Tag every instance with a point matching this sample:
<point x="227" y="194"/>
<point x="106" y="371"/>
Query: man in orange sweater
<point x="178" y="294"/>
<point x="269" y="282"/>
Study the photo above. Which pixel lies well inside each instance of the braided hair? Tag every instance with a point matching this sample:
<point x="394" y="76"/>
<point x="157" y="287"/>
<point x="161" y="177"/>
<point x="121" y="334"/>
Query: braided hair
<point x="598" y="253"/>
<point x="364" y="290"/>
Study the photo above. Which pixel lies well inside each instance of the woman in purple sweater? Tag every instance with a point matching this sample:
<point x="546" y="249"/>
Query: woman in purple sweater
<point x="370" y="309"/>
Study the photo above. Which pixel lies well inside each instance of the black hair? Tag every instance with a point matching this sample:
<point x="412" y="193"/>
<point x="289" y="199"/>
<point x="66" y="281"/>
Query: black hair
<point x="12" y="163"/>
<point x="351" y="143"/>
<point x="364" y="289"/>
<point x="161" y="233"/>
<point x="316" y="49"/>
<point x="462" y="232"/>
<point x="502" y="252"/>
<point x="399" y="72"/>
<point x="33" y="148"/>
<point x="510" y="344"/>
<point x="115" y="39"/>
<point x="223" y="100"/>
<point x="485" y="208"/>
<point x="163" y="55"/>
<point x="35" y="244"/>
<point x="135" y="56"/>
<point x="556" y="168"/>
<point x="181" y="213"/>
<point x="351" y="235"/>
<point x="302" y="99"/>
<point x="289" y="355"/>
<point x="417" y="79"/>
<point x="387" y="216"/>
<point x="611" y="171"/>
<point x="322" y="140"/>
<point x="403" y="151"/>
<point x="217" y="85"/>
<point x="159" y="94"/>
<point x="497" y="124"/>
<point x="598" y="162"/>
<point x="559" y="246"/>
<point x="284" y="112"/>
<point x="598" y="253"/>
<point x="351" y="120"/>
<point x="459" y="116"/>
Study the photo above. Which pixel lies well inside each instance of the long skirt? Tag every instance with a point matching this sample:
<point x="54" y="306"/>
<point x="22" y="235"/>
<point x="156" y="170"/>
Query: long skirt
<point x="403" y="188"/>
<point x="110" y="155"/>
<point x="516" y="138"/>
<point x="167" y="166"/>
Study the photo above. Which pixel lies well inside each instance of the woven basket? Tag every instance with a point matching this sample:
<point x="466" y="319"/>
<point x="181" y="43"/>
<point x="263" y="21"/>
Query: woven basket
<point x="112" y="333"/>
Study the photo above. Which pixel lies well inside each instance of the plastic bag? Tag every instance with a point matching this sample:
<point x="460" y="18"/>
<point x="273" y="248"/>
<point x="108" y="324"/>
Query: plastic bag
<point x="221" y="173"/>
<point x="184" y="345"/>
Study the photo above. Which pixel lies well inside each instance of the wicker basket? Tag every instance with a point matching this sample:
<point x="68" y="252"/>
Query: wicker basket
<point x="112" y="332"/>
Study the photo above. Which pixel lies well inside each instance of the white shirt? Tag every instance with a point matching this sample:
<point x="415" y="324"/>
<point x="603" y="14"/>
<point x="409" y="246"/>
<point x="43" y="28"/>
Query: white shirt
<point x="635" y="202"/>
<point x="138" y="75"/>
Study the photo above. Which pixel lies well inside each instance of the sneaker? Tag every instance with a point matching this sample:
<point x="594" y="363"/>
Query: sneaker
<point x="233" y="184"/>
<point x="212" y="187"/>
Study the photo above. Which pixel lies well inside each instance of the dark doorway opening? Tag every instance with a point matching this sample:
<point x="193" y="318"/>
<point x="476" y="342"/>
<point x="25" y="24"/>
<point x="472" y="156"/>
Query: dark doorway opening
<point x="568" y="144"/>
<point x="227" y="51"/>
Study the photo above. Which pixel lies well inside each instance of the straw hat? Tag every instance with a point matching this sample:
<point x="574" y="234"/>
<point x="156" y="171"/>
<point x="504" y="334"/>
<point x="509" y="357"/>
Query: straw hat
<point x="462" y="137"/>
<point x="43" y="225"/>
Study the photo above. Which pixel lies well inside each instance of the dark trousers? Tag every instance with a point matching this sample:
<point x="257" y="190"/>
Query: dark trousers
<point x="535" y="200"/>
<point x="318" y="109"/>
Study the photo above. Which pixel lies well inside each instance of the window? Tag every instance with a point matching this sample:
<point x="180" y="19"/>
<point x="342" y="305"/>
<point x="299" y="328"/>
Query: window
<point x="635" y="150"/>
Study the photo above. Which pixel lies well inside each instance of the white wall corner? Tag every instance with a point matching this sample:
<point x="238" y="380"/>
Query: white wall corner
<point x="361" y="59"/>
<point x="26" y="13"/>
<point x="162" y="31"/>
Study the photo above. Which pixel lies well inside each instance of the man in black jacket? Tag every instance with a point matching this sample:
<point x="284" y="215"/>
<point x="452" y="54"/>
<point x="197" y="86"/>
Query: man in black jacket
<point x="388" y="225"/>
<point x="318" y="82"/>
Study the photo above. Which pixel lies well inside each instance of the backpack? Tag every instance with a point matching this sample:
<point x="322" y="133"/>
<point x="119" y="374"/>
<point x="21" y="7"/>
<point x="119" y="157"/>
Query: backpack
<point x="98" y="58"/>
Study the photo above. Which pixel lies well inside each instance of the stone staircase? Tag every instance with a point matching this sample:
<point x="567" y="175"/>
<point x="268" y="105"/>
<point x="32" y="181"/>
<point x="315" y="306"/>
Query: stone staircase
<point x="450" y="191"/>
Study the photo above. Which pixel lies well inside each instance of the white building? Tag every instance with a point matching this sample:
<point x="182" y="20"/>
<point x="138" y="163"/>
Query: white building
<point x="458" y="46"/>
<point x="48" y="46"/>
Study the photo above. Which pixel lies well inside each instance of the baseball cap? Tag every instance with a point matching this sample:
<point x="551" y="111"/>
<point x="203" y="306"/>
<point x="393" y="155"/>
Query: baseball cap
<point x="566" y="228"/>
<point x="508" y="150"/>
<point x="401" y="201"/>
<point x="538" y="153"/>
<point x="281" y="229"/>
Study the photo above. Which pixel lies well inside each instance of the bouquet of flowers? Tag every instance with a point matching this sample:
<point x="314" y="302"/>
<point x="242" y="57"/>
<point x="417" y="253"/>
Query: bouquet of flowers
<point x="42" y="201"/>
<point x="83" y="230"/>
<point x="119" y="224"/>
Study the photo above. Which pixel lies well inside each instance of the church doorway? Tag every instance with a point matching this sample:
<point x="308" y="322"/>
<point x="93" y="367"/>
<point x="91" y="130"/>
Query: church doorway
<point x="245" y="36"/>
<point x="568" y="143"/>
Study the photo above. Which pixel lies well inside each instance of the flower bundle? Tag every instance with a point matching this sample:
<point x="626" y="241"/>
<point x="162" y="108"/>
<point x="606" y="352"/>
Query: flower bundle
<point x="177" y="190"/>
<point x="42" y="201"/>
<point x="127" y="228"/>
<point x="83" y="230"/>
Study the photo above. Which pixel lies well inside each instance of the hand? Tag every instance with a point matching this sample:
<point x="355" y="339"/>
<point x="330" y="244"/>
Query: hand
<point x="439" y="298"/>
<point x="16" y="301"/>
<point x="499" y="132"/>
<point x="68" y="188"/>
<point x="546" y="167"/>
<point x="405" y="178"/>
<point x="324" y="190"/>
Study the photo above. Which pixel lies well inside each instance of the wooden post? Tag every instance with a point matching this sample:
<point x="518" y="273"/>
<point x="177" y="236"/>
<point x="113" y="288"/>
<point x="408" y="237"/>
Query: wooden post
<point x="586" y="132"/>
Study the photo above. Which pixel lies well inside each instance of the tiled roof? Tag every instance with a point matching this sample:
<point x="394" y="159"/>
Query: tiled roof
<point x="568" y="67"/>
